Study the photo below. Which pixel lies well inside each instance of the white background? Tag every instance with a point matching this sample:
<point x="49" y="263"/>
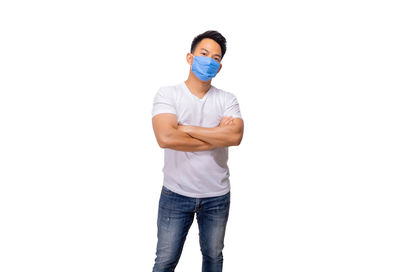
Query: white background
<point x="315" y="181"/>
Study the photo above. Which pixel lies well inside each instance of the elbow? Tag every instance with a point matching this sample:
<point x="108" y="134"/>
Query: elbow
<point x="237" y="140"/>
<point x="236" y="143"/>
<point x="162" y="144"/>
<point x="164" y="141"/>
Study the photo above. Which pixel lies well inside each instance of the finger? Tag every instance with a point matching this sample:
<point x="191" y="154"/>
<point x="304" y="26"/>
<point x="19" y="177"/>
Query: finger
<point x="229" y="120"/>
<point x="223" y="120"/>
<point x="227" y="123"/>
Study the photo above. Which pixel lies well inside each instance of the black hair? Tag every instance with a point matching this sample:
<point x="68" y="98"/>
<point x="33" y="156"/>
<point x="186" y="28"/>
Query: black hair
<point x="210" y="34"/>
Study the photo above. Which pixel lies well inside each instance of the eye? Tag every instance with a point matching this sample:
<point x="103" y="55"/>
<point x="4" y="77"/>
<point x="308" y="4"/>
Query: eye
<point x="203" y="53"/>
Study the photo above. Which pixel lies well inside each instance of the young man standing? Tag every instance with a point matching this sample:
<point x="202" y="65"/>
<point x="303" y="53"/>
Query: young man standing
<point x="195" y="123"/>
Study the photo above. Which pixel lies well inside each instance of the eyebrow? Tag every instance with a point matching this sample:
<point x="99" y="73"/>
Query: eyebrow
<point x="209" y="52"/>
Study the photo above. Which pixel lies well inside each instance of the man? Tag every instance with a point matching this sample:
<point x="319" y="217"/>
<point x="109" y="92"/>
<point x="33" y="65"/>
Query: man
<point x="195" y="123"/>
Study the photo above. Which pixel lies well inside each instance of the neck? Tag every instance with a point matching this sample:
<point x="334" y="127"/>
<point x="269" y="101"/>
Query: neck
<point x="196" y="86"/>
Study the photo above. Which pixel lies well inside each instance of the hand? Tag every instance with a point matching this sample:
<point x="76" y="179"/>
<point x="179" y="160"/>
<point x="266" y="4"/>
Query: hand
<point x="183" y="128"/>
<point x="225" y="121"/>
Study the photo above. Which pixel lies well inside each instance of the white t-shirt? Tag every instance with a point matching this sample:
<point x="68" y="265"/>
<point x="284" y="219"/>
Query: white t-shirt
<point x="201" y="173"/>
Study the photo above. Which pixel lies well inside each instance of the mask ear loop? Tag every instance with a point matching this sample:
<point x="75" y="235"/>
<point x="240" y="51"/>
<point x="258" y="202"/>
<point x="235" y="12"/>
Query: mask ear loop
<point x="192" y="62"/>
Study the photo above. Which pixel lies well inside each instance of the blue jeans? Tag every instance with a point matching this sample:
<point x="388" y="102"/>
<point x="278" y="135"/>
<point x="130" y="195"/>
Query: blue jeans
<point x="175" y="216"/>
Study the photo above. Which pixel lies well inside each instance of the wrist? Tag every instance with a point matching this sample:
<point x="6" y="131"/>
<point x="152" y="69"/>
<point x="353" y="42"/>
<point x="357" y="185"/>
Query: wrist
<point x="186" y="128"/>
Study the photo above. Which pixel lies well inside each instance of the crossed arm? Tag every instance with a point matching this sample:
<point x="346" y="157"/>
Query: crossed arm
<point x="170" y="134"/>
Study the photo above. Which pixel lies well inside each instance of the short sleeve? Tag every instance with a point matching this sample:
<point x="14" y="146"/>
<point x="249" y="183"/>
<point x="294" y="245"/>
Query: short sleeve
<point x="163" y="102"/>
<point x="232" y="106"/>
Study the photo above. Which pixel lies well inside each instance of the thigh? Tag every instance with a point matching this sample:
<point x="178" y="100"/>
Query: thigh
<point x="173" y="223"/>
<point x="175" y="211"/>
<point x="212" y="219"/>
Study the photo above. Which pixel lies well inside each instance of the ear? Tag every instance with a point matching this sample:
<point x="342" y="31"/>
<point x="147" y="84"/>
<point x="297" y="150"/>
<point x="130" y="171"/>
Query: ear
<point x="189" y="58"/>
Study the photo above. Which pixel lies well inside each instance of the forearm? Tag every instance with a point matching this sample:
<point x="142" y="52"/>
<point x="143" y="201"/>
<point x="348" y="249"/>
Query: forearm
<point x="217" y="136"/>
<point x="181" y="141"/>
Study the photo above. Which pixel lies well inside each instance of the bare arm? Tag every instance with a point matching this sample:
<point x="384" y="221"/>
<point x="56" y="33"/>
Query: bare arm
<point x="165" y="126"/>
<point x="228" y="133"/>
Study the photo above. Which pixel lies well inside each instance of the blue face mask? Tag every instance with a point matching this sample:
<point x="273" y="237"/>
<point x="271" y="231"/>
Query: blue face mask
<point x="205" y="68"/>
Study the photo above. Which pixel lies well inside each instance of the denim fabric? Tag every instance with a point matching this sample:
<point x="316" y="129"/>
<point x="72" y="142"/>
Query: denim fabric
<point x="175" y="216"/>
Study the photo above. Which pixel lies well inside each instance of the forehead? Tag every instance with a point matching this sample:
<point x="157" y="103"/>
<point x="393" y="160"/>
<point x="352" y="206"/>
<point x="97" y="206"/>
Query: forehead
<point x="209" y="44"/>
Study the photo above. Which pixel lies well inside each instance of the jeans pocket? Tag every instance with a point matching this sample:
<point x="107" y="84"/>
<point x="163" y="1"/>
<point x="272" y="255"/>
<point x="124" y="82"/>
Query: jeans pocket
<point x="166" y="191"/>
